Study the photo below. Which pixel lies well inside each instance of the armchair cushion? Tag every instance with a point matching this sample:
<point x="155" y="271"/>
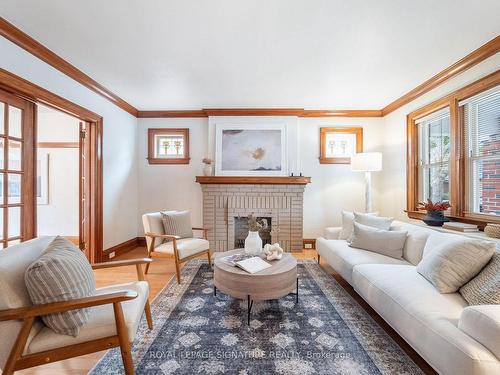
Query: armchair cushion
<point x="185" y="247"/>
<point x="177" y="223"/>
<point x="62" y="273"/>
<point x="101" y="321"/>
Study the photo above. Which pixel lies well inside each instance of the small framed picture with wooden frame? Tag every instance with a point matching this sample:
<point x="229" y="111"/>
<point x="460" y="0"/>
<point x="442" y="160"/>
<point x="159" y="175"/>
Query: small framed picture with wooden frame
<point x="338" y="144"/>
<point x="168" y="146"/>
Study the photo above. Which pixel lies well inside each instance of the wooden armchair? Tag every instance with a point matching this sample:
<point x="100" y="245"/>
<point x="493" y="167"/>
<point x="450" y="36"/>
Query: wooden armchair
<point x="161" y="244"/>
<point x="117" y="311"/>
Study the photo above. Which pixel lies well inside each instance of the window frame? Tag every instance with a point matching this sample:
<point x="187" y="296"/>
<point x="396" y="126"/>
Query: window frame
<point x="458" y="184"/>
<point x="153" y="132"/>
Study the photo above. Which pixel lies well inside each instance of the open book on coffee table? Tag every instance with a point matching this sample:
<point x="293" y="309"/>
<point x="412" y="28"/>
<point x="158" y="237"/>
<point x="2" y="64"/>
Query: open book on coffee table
<point x="253" y="265"/>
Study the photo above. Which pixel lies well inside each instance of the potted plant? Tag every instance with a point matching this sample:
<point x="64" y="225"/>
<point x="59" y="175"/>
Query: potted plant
<point x="435" y="212"/>
<point x="253" y="242"/>
<point x="207" y="169"/>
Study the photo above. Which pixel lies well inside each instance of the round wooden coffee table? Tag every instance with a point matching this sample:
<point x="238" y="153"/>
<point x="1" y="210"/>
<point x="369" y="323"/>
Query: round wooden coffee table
<point x="274" y="282"/>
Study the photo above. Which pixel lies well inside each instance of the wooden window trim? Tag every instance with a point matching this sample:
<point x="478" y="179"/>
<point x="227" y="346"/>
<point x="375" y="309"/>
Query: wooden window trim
<point x="152" y="132"/>
<point x="343" y="130"/>
<point x="457" y="155"/>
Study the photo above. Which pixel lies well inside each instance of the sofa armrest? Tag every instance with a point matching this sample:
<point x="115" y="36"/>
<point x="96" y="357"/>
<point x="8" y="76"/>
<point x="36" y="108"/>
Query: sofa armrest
<point x="482" y="323"/>
<point x="332" y="233"/>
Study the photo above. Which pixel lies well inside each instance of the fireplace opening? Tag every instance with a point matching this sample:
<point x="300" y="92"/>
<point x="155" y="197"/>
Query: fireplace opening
<point x="241" y="231"/>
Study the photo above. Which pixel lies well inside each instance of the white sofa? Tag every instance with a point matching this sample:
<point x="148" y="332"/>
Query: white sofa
<point x="428" y="320"/>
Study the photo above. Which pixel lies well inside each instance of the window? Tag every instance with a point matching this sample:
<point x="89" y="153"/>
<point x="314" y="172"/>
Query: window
<point x="434" y="156"/>
<point x="453" y="153"/>
<point x="481" y="118"/>
<point x="168" y="146"/>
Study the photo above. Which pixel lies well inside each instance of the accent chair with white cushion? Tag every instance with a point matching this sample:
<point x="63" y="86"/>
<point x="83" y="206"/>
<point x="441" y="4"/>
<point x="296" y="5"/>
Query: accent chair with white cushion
<point x="114" y="314"/>
<point x="170" y="245"/>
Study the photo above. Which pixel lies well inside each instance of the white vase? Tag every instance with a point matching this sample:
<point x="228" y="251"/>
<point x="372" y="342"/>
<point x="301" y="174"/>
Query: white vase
<point x="207" y="170"/>
<point x="253" y="243"/>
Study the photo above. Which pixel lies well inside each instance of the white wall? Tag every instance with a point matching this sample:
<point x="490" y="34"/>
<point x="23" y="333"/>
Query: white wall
<point x="392" y="200"/>
<point x="333" y="187"/>
<point x="119" y="139"/>
<point x="60" y="216"/>
<point x="171" y="186"/>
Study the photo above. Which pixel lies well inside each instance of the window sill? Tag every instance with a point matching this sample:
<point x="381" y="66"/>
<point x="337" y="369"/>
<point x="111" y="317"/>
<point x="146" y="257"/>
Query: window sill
<point x="168" y="161"/>
<point x="479" y="220"/>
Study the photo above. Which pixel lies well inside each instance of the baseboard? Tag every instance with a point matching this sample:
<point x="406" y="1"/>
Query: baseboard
<point x="141" y="241"/>
<point x="310" y="242"/>
<point x="122" y="248"/>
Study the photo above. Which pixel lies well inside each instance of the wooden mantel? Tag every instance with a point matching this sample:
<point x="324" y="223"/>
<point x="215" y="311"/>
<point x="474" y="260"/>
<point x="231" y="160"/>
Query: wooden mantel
<point x="254" y="180"/>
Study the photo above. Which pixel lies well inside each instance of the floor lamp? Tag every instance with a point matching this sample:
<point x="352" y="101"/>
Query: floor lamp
<point x="367" y="162"/>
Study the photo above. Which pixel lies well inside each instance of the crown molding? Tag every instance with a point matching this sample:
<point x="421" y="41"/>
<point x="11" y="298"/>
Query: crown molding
<point x="473" y="58"/>
<point x="29" y="44"/>
<point x="23" y="40"/>
<point x="299" y="112"/>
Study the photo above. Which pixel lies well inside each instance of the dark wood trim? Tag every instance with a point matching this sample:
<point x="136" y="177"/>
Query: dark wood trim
<point x="343" y="130"/>
<point x="299" y="112"/>
<point x="58" y="144"/>
<point x="30" y="91"/>
<point x="309" y="241"/>
<point x="123" y="247"/>
<point x="252" y="180"/>
<point x="23" y="40"/>
<point x="152" y="132"/>
<point x="474" y="58"/>
<point x="341" y="113"/>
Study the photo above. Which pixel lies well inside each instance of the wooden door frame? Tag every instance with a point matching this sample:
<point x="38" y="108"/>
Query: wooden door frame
<point x="38" y="95"/>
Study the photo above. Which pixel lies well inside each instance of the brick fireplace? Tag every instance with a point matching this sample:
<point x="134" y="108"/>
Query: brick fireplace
<point x="227" y="201"/>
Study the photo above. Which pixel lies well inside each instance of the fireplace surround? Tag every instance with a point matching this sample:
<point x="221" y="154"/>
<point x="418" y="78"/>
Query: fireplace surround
<point x="278" y="199"/>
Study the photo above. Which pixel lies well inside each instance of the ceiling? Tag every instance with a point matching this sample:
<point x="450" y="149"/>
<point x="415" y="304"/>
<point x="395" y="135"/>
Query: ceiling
<point x="165" y="54"/>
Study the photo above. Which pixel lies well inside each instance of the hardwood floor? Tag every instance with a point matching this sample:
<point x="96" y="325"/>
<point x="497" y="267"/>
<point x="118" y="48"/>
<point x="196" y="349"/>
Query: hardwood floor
<point x="160" y="272"/>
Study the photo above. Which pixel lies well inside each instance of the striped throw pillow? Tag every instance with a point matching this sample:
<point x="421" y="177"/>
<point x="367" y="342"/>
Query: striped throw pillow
<point x="177" y="223"/>
<point x="62" y="273"/>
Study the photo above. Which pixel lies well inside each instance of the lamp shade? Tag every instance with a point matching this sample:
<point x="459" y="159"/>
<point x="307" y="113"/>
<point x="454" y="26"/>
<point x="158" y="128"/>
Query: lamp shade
<point x="366" y="162"/>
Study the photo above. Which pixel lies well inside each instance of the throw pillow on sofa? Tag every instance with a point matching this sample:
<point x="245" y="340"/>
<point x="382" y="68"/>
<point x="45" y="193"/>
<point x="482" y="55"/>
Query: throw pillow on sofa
<point x="484" y="289"/>
<point x="378" y="222"/>
<point x="450" y="261"/>
<point x="389" y="243"/>
<point x="347" y="224"/>
<point x="62" y="273"/>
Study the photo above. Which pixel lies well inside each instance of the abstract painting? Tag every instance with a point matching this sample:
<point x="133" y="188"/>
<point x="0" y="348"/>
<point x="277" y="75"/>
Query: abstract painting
<point x="254" y="150"/>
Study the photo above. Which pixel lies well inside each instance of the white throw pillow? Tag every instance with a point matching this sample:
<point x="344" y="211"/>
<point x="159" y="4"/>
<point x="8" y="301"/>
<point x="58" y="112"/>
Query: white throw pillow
<point x="450" y="261"/>
<point x="347" y="223"/>
<point x="389" y="243"/>
<point x="378" y="222"/>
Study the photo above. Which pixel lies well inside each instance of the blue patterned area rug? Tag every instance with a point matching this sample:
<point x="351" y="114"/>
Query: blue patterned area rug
<point x="195" y="332"/>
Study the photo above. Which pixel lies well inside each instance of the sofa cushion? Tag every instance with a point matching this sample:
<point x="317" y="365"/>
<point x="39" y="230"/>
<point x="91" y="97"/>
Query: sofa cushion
<point x="380" y="241"/>
<point x="450" y="261"/>
<point x="185" y="247"/>
<point x="348" y="223"/>
<point x="483" y="324"/>
<point x="415" y="241"/>
<point x="101" y="321"/>
<point x="177" y="223"/>
<point x="343" y="258"/>
<point x="62" y="273"/>
<point x="484" y="289"/>
<point x="425" y="318"/>
<point x="373" y="221"/>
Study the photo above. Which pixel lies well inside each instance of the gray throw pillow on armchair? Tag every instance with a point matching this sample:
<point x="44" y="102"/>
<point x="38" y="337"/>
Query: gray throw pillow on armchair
<point x="177" y="223"/>
<point x="62" y="273"/>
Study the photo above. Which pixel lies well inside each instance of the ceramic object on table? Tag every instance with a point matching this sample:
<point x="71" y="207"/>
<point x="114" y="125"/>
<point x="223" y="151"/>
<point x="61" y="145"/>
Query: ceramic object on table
<point x="253" y="243"/>
<point x="435" y="218"/>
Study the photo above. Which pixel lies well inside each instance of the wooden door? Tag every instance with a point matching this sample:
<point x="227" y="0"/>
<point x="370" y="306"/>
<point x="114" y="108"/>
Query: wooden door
<point x="17" y="170"/>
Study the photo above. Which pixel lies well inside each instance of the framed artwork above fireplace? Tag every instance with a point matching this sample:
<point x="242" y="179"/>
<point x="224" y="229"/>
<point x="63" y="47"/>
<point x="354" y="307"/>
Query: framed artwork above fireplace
<point x="251" y="150"/>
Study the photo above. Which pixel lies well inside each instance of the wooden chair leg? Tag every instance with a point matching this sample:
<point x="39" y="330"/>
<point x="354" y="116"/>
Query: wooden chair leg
<point x="319" y="258"/>
<point x="121" y="330"/>
<point x="209" y="259"/>
<point x="177" y="270"/>
<point x="147" y="311"/>
<point x="18" y="348"/>
<point x="147" y="266"/>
